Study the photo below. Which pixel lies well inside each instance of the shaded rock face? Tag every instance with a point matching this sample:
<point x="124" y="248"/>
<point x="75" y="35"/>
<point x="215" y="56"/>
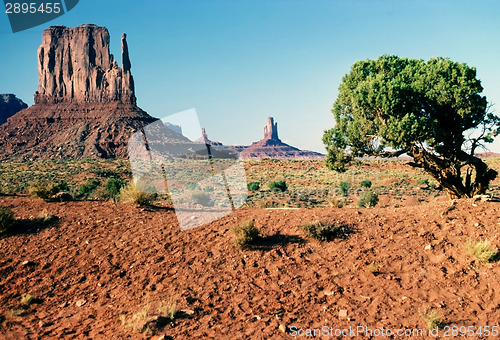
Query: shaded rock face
<point x="85" y="106"/>
<point x="74" y="65"/>
<point x="10" y="105"/>
<point x="271" y="129"/>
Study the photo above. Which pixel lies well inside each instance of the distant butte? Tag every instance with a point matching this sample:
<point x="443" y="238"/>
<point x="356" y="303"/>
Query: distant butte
<point x="268" y="147"/>
<point x="272" y="147"/>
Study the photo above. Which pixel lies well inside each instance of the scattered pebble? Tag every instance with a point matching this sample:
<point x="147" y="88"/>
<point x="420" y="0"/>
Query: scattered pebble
<point x="342" y="313"/>
<point x="80" y="303"/>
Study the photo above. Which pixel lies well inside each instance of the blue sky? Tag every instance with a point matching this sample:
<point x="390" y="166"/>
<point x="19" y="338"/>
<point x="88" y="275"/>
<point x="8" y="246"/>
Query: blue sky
<point x="238" y="62"/>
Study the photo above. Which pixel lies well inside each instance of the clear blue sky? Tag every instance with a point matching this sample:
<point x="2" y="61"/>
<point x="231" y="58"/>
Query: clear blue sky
<point x="238" y="62"/>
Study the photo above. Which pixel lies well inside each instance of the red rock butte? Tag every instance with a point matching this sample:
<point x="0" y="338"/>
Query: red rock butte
<point x="85" y="104"/>
<point x="272" y="147"/>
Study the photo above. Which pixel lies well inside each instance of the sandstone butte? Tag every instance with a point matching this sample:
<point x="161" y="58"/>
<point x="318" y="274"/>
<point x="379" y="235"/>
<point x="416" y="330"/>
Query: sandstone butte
<point x="85" y="104"/>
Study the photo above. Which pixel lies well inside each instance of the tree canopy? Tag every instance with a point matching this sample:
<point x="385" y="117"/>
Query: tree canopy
<point x="428" y="110"/>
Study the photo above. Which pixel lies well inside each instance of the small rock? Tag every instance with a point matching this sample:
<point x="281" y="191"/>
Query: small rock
<point x="282" y="328"/>
<point x="187" y="311"/>
<point x="428" y="247"/>
<point x="342" y="313"/>
<point x="64" y="304"/>
<point x="81" y="302"/>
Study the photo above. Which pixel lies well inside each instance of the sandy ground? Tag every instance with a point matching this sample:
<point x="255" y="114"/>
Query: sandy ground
<point x="101" y="260"/>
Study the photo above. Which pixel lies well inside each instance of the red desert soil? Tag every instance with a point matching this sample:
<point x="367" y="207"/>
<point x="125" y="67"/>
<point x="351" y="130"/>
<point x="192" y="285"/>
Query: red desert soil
<point x="102" y="260"/>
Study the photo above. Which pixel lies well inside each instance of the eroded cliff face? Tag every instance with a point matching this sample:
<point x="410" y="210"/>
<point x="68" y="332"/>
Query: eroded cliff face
<point x="85" y="106"/>
<point x="74" y="65"/>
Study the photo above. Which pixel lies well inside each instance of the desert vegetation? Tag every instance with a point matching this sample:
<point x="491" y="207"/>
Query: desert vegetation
<point x="392" y="106"/>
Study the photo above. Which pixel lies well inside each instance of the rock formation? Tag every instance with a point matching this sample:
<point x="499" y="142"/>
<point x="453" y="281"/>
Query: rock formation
<point x="85" y="106"/>
<point x="271" y="129"/>
<point x="10" y="105"/>
<point x="204" y="139"/>
<point x="74" y="65"/>
<point x="272" y="147"/>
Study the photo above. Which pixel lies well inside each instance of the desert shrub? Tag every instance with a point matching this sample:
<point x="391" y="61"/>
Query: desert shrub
<point x="62" y="186"/>
<point x="253" y="186"/>
<point x="368" y="199"/>
<point x="108" y="173"/>
<point x="245" y="234"/>
<point x="130" y="194"/>
<point x="373" y="267"/>
<point x="147" y="321"/>
<point x="481" y="250"/>
<point x="113" y="187"/>
<point x="323" y="231"/>
<point x="423" y="181"/>
<point x="197" y="197"/>
<point x="42" y="190"/>
<point x="278" y="186"/>
<point x="365" y="184"/>
<point x="432" y="319"/>
<point x="27" y="300"/>
<point x="6" y="220"/>
<point x="344" y="188"/>
<point x="87" y="189"/>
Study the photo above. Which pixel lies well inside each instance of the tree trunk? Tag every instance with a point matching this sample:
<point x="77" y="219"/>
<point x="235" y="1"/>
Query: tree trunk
<point x="448" y="173"/>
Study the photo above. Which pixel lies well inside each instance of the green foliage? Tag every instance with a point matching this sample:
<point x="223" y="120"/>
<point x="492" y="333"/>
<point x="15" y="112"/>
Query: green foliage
<point x="278" y="186"/>
<point x="481" y="250"/>
<point x="87" y="189"/>
<point x="253" y="186"/>
<point x="423" y="181"/>
<point x="245" y="234"/>
<point x="344" y="188"/>
<point x="400" y="104"/>
<point x="62" y="186"/>
<point x="323" y="231"/>
<point x="365" y="184"/>
<point x="113" y="187"/>
<point x="368" y="199"/>
<point x="6" y="220"/>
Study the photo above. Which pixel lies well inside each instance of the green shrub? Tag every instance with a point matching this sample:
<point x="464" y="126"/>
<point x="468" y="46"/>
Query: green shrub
<point x="323" y="231"/>
<point x="62" y="186"/>
<point x="368" y="199"/>
<point x="253" y="186"/>
<point x="365" y="184"/>
<point x="6" y="219"/>
<point x="344" y="189"/>
<point x="245" y="234"/>
<point x="481" y="250"/>
<point x="113" y="187"/>
<point x="278" y="186"/>
<point x="130" y="194"/>
<point x="423" y="181"/>
<point x="87" y="189"/>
